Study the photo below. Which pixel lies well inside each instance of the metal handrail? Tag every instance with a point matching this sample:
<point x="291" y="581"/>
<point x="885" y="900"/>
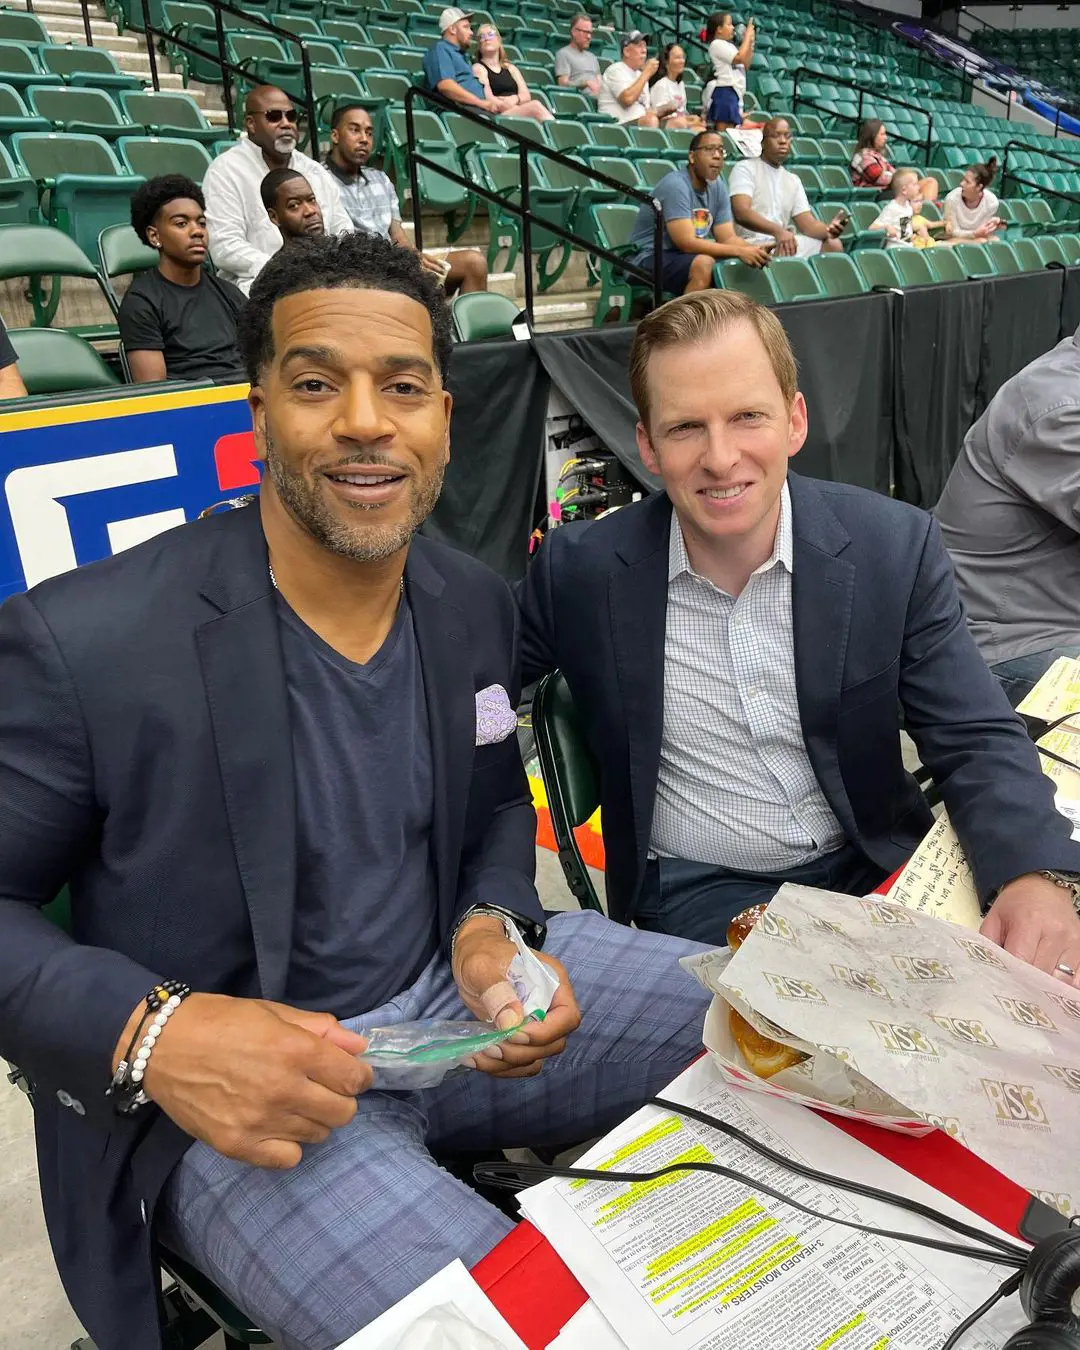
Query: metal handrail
<point x="526" y="147"/>
<point x="863" y="90"/>
<point x="231" y="67"/>
<point x="1026" y="146"/>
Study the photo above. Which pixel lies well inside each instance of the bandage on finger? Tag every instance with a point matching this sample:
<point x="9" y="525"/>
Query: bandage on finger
<point x="497" y="1000"/>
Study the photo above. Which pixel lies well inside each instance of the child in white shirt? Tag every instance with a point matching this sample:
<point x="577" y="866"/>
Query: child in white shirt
<point x="895" y="216"/>
<point x="730" y="63"/>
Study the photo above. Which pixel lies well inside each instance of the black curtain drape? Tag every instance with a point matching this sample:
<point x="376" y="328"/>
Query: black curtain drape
<point x="1021" y="320"/>
<point x="497" y="430"/>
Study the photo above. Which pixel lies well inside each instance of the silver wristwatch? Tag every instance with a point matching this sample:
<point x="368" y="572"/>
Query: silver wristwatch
<point x="532" y="933"/>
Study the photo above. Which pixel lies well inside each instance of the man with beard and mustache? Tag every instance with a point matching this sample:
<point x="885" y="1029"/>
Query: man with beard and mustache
<point x="274" y="754"/>
<point x="242" y="236"/>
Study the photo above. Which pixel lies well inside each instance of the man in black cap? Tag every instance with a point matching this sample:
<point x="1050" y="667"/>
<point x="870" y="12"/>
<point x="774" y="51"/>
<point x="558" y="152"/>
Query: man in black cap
<point x="624" y="86"/>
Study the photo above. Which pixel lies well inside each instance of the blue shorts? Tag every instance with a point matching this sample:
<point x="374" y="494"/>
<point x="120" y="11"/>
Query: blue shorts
<point x="674" y="269"/>
<point x="724" y="106"/>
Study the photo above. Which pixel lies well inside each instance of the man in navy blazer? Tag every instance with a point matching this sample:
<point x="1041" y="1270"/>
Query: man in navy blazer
<point x="743" y="664"/>
<point x="273" y="754"/>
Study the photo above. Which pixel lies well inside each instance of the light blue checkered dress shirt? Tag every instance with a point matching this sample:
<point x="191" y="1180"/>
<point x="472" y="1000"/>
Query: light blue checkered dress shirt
<point x="736" y="788"/>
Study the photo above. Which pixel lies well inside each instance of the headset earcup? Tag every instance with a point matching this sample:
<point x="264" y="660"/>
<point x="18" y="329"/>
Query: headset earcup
<point x="1045" y="1336"/>
<point x="1051" y="1282"/>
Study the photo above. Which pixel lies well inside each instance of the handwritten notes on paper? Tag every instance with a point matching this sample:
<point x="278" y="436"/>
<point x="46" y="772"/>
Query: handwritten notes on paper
<point x="938" y="880"/>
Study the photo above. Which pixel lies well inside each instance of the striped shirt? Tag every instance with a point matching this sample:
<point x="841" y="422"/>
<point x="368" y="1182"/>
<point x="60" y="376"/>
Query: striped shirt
<point x="736" y="787"/>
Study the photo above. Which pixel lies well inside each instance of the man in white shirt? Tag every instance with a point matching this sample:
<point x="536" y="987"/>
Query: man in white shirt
<point x="624" y="86"/>
<point x="769" y="201"/>
<point x="242" y="236"/>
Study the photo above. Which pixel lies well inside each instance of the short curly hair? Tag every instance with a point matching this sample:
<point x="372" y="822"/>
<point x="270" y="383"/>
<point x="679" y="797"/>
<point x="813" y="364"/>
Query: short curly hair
<point x="156" y="193"/>
<point x="360" y="261"/>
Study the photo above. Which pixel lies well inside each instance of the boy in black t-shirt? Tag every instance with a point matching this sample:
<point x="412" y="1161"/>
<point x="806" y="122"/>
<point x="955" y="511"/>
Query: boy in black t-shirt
<point x="177" y="320"/>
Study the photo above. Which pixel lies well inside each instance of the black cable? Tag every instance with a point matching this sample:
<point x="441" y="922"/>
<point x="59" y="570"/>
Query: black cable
<point x="856" y="1188"/>
<point x="513" y="1176"/>
<point x="1011" y="1285"/>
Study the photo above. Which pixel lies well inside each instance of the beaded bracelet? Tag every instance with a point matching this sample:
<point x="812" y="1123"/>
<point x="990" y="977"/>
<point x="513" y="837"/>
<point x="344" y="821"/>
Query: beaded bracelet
<point x="125" y="1089"/>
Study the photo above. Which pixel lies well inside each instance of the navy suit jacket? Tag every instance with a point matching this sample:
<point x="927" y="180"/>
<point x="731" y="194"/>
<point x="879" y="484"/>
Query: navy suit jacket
<point x="146" y="760"/>
<point x="878" y="632"/>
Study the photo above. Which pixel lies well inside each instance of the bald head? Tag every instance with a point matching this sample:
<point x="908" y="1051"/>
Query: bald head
<point x="270" y="121"/>
<point x="776" y="140"/>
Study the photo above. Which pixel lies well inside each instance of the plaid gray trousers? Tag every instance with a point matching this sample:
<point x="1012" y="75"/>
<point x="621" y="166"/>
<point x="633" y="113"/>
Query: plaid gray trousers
<point x="315" y="1253"/>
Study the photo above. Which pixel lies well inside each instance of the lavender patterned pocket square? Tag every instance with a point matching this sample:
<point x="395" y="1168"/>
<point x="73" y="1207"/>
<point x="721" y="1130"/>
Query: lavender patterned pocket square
<point x="495" y="719"/>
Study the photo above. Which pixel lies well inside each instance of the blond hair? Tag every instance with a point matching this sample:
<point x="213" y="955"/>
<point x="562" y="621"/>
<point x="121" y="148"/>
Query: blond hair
<point x="902" y="175"/>
<point x="697" y="318"/>
<point x="501" y="52"/>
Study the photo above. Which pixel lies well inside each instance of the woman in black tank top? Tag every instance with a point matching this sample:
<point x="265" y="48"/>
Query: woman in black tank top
<point x="502" y="81"/>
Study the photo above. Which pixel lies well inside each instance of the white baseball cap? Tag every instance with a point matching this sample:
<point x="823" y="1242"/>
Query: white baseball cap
<point x="451" y="16"/>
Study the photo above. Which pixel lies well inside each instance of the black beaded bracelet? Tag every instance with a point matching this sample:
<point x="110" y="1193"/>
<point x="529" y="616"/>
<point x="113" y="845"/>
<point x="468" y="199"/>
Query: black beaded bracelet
<point x="125" y="1089"/>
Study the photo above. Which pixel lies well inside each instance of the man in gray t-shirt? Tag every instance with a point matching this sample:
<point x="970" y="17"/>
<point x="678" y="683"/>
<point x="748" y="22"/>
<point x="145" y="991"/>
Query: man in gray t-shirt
<point x="1010" y="518"/>
<point x="575" y="65"/>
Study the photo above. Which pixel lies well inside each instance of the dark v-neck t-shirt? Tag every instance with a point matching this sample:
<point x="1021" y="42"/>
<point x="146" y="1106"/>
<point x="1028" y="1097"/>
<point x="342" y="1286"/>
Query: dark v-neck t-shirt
<point x="365" y="922"/>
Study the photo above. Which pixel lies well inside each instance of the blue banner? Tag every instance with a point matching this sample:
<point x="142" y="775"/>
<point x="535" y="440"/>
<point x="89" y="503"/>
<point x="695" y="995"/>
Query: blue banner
<point x="83" y="481"/>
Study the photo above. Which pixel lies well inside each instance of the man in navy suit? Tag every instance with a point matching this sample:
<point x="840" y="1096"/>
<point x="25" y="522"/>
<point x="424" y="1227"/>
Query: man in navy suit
<point x="745" y="647"/>
<point x="273" y="754"/>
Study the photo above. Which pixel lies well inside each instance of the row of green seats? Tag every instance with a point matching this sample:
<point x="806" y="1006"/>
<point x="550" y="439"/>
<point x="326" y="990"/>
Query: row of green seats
<point x="57" y="107"/>
<point x="791" y="279"/>
<point x="48" y="63"/>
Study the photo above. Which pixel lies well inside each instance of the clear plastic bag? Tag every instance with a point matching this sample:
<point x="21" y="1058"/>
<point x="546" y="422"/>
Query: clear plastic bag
<point x="415" y="1055"/>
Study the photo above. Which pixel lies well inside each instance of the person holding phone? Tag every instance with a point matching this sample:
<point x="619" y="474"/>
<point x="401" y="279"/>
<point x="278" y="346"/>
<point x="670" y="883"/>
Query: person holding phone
<point x="769" y="202"/>
<point x="698" y="229"/>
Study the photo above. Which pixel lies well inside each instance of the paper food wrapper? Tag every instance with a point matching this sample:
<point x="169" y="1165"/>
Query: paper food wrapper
<point x="823" y="1080"/>
<point x="937" y="1017"/>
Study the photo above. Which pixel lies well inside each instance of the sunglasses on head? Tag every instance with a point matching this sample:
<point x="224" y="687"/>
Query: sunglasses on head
<point x="280" y="114"/>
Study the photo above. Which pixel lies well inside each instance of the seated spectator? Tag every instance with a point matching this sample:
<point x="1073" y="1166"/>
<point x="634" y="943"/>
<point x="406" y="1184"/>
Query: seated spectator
<point x="667" y="92"/>
<point x="870" y="168"/>
<point x="371" y="200"/>
<point x="1010" y="518"/>
<point x="11" y="385"/>
<point x="769" y="202"/>
<point x="697" y="221"/>
<point x="503" y="81"/>
<point x="730" y="64"/>
<point x="291" y="205"/>
<point x="624" y="86"/>
<point x="242" y="239"/>
<point x="575" y="65"/>
<point x="446" y="69"/>
<point x="178" y="320"/>
<point x="971" y="210"/>
<point x="896" y="217"/>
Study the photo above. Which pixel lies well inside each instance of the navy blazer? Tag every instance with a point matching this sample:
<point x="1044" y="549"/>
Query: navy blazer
<point x="146" y="760"/>
<point x="878" y="632"/>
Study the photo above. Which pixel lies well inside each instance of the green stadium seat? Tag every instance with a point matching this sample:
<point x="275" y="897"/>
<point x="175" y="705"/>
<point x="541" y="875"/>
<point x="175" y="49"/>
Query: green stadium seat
<point x="611" y="138"/>
<point x="878" y="269"/>
<point x="482" y="314"/>
<point x="86" y="66"/>
<point x="612" y="225"/>
<point x="346" y="31"/>
<point x="409" y="62"/>
<point x="335" y="86"/>
<point x="501" y="173"/>
<point x="16" y="26"/>
<point x="795" y="279"/>
<point x="121" y="253"/>
<point x="300" y="25"/>
<point x="81" y="112"/>
<point x="169" y="113"/>
<point x="650" y="171"/>
<point x="430" y="135"/>
<point x="838" y="274"/>
<point x="85" y="189"/>
<point x="14" y="115"/>
<point x="36" y="251"/>
<point x="20" y="68"/>
<point x="1050" y="250"/>
<point x="585" y="191"/>
<point x="364" y="58"/>
<point x="912" y="267"/>
<point x="149" y="156"/>
<point x="1027" y="254"/>
<point x="568" y="102"/>
<point x="1015" y="211"/>
<point x="1004" y="257"/>
<point x="945" y="265"/>
<point x="732" y="275"/>
<point x="18" y="195"/>
<point x="1070" y="245"/>
<point x="975" y="260"/>
<point x="569" y="137"/>
<point x="1041" y="214"/>
<point x="54" y="361"/>
<point x="467" y="135"/>
<point x="622" y="170"/>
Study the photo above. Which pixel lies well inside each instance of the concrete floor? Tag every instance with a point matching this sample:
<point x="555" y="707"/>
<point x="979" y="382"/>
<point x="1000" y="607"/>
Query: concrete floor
<point x="34" y="1312"/>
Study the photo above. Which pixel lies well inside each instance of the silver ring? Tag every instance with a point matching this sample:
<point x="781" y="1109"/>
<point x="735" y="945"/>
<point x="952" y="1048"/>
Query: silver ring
<point x="1065" y="968"/>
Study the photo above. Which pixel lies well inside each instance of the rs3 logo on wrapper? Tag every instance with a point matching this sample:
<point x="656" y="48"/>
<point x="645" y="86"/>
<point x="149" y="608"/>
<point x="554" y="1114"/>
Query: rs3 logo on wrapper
<point x="862" y="981"/>
<point x="901" y="1040"/>
<point x="1068" y="1077"/>
<point x="965" y="1029"/>
<point x="1015" y="1103"/>
<point x="798" y="991"/>
<point x="775" y="926"/>
<point x="1026" y="1014"/>
<point x="923" y="968"/>
<point x="985" y="956"/>
<point x="949" y="1125"/>
<point x="887" y="916"/>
